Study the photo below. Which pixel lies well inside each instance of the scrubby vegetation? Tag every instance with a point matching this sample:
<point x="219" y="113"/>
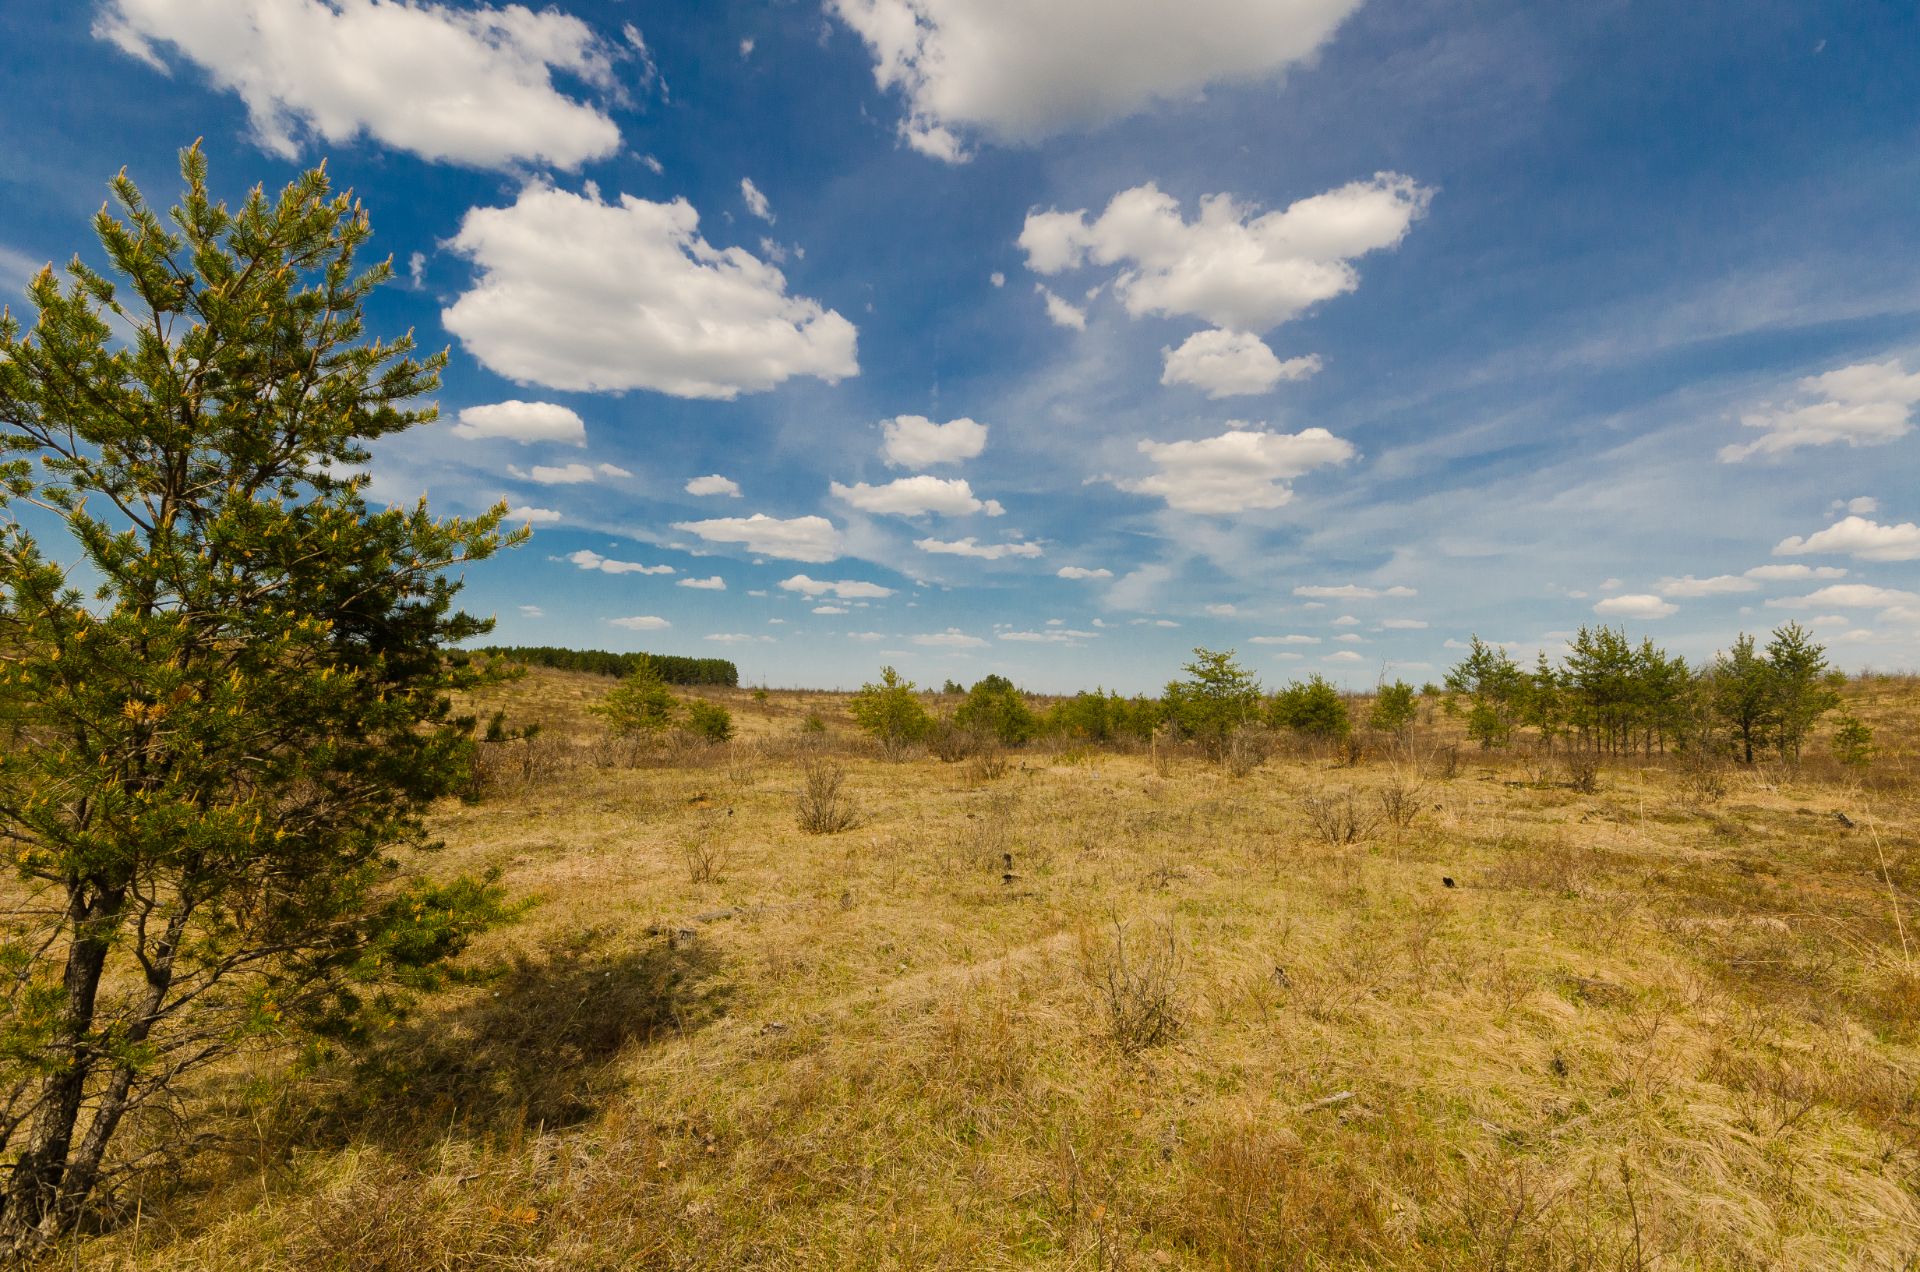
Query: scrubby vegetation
<point x="795" y="1001"/>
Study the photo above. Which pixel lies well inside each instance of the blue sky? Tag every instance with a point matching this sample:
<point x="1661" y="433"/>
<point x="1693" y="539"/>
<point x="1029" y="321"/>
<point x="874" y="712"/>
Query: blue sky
<point x="1056" y="339"/>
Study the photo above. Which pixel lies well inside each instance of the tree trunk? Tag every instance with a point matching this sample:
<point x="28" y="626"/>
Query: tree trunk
<point x="83" y="1171"/>
<point x="28" y="1213"/>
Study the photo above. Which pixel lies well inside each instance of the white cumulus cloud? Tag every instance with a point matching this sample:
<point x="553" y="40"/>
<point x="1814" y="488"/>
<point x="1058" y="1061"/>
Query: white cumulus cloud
<point x="1020" y="72"/>
<point x="1351" y="592"/>
<point x="1231" y="364"/>
<point x="917" y="496"/>
<point x="1717" y="585"/>
<point x="1635" y="605"/>
<point x="587" y="559"/>
<point x="1060" y="311"/>
<point x="1867" y="404"/>
<point x="642" y="623"/>
<point x="952" y="638"/>
<point x="465" y="85"/>
<point x="845" y="589"/>
<point x="1231" y="266"/>
<point x="914" y="441"/>
<point x="577" y="293"/>
<point x="517" y="421"/>
<point x="1859" y="538"/>
<point x="1082" y="572"/>
<point x="1286" y="640"/>
<point x="714" y="584"/>
<point x="756" y="202"/>
<point x="969" y="547"/>
<point x="1776" y="573"/>
<point x="1848" y="596"/>
<point x="1240" y="469"/>
<point x="811" y="539"/>
<point x="714" y="484"/>
<point x="570" y="474"/>
<point x="533" y="516"/>
<point x="1050" y="636"/>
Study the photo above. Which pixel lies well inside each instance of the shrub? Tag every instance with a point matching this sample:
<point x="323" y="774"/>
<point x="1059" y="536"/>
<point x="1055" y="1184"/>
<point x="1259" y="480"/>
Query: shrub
<point x="1703" y="778"/>
<point x="709" y="721"/>
<point x="1246" y="750"/>
<point x="1137" y="986"/>
<point x="640" y="705"/>
<point x="1218" y="697"/>
<point x="1852" y="742"/>
<point x="995" y="707"/>
<point x="1336" y="819"/>
<point x="1583" y="770"/>
<point x="1314" y="708"/>
<point x="823" y="807"/>
<point x="1393" y="708"/>
<point x="890" y="712"/>
<point x="949" y="743"/>
<point x="1103" y="717"/>
<point x="1400" y="800"/>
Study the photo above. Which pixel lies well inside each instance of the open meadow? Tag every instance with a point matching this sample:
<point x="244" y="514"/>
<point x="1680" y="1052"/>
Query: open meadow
<point x="1415" y="1006"/>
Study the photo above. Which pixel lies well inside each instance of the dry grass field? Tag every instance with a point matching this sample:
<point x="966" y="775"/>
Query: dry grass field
<point x="1436" y="1009"/>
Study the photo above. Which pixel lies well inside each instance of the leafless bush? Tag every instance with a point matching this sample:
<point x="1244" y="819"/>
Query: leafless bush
<point x="949" y="743"/>
<point x="1583" y="770"/>
<point x="823" y="807"/>
<point x="1703" y="779"/>
<point x="1337" y="818"/>
<point x="1400" y="800"/>
<point x="706" y="851"/>
<point x="743" y="763"/>
<point x="987" y="765"/>
<point x="611" y="750"/>
<point x="1137" y="985"/>
<point x="519" y="763"/>
<point x="1446" y="762"/>
<point x="1246" y="750"/>
<point x="1351" y="750"/>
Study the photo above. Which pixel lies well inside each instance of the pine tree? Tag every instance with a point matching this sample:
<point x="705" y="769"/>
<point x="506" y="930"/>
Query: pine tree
<point x="1742" y="692"/>
<point x="1801" y="689"/>
<point x="1218" y="697"/>
<point x="211" y="750"/>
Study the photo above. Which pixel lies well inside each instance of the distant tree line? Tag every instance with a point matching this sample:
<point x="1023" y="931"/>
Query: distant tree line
<point x="1607" y="695"/>
<point x="1610" y="696"/>
<point x="674" y="669"/>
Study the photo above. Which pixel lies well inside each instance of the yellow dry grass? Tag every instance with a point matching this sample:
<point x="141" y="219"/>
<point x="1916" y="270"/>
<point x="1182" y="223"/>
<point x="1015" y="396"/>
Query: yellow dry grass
<point x="1639" y="1031"/>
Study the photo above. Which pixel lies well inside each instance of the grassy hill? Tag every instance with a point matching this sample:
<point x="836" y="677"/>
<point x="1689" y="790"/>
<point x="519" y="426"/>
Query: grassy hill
<point x="1106" y="1010"/>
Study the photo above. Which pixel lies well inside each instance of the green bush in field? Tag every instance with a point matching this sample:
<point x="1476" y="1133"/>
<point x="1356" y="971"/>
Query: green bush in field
<point x="890" y="712"/>
<point x="1393" y="708"/>
<point x="640" y="705"/>
<point x="994" y="706"/>
<point x="1852" y="742"/>
<point x="1218" y="698"/>
<point x="709" y="721"/>
<point x="1312" y="707"/>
